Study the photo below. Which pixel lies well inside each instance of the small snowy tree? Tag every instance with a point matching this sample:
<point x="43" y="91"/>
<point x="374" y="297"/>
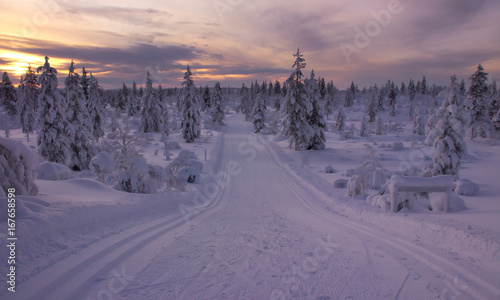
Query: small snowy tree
<point x="8" y="95"/>
<point x="363" y="132"/>
<point x="297" y="108"/>
<point x="330" y="100"/>
<point x="392" y="102"/>
<point x="340" y="124"/>
<point x="450" y="148"/>
<point x="27" y="103"/>
<point x="411" y="95"/>
<point x="79" y="129"/>
<point x="53" y="142"/>
<point x="18" y="165"/>
<point x="95" y="107"/>
<point x="190" y="113"/>
<point x="480" y="124"/>
<point x="121" y="103"/>
<point x="418" y="122"/>
<point x="216" y="111"/>
<point x="259" y="114"/>
<point x="315" y="118"/>
<point x="206" y="99"/>
<point x="371" y="109"/>
<point x="379" y="127"/>
<point x="151" y="113"/>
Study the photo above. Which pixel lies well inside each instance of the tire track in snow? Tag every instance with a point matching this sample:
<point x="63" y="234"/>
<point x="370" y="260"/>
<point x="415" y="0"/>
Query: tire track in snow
<point x="430" y="259"/>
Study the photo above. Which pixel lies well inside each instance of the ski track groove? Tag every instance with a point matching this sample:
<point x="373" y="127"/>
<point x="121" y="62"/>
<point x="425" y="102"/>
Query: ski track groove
<point x="425" y="256"/>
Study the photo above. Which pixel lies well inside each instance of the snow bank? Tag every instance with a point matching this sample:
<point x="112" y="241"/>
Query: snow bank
<point x="329" y="170"/>
<point x="53" y="171"/>
<point x="465" y="187"/>
<point x="102" y="164"/>
<point x="18" y="168"/>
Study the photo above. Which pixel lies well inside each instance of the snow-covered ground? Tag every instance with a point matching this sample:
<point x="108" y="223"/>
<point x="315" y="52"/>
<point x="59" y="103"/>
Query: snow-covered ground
<point x="263" y="223"/>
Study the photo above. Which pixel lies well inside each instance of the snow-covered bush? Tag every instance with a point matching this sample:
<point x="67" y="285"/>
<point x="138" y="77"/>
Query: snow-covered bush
<point x="356" y="185"/>
<point x="102" y="164"/>
<point x="173" y="145"/>
<point x="329" y="170"/>
<point x="53" y="171"/>
<point x="198" y="165"/>
<point x="465" y="187"/>
<point x="134" y="179"/>
<point x="18" y="168"/>
<point x="189" y="175"/>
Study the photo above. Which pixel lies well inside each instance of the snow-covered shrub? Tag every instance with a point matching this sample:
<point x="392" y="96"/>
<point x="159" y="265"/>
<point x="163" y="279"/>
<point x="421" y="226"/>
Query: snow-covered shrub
<point x="340" y="183"/>
<point x="189" y="175"/>
<point x="136" y="178"/>
<point x="350" y="172"/>
<point x="173" y="145"/>
<point x="18" y="168"/>
<point x="465" y="187"/>
<point x="102" y="164"/>
<point x="329" y="170"/>
<point x="53" y="171"/>
<point x="355" y="186"/>
<point x="157" y="175"/>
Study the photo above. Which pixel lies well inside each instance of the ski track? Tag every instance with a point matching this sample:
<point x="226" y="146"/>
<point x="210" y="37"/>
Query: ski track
<point x="258" y="239"/>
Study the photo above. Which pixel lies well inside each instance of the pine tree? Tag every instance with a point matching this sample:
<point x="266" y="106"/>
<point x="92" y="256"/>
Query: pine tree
<point x="403" y="88"/>
<point x="423" y="86"/>
<point x="480" y="124"/>
<point x="349" y="96"/>
<point x="95" y="107"/>
<point x="151" y="113"/>
<point x="315" y="118"/>
<point x="371" y="109"/>
<point x="81" y="150"/>
<point x="246" y="103"/>
<point x="133" y="102"/>
<point x="53" y="142"/>
<point x="340" y="123"/>
<point x="463" y="90"/>
<point x="27" y="102"/>
<point x="363" y="132"/>
<point x="207" y="103"/>
<point x="411" y="95"/>
<point x="216" y="112"/>
<point x="418" y="122"/>
<point x="190" y="113"/>
<point x="379" y="126"/>
<point x="84" y="81"/>
<point x="380" y="100"/>
<point x="121" y="104"/>
<point x="277" y="88"/>
<point x="297" y="108"/>
<point x="259" y="114"/>
<point x="392" y="102"/>
<point x="8" y="95"/>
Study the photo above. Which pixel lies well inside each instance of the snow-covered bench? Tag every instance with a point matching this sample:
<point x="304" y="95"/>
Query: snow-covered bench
<point x="441" y="183"/>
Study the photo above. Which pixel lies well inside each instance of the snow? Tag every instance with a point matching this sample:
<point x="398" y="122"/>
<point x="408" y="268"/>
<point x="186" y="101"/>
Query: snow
<point x="53" y="171"/>
<point x="465" y="187"/>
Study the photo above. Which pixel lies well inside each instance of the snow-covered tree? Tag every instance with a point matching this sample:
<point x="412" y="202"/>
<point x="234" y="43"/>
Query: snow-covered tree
<point x="297" y="108"/>
<point x="95" y="107"/>
<point x="190" y="112"/>
<point x="392" y="101"/>
<point x="216" y="110"/>
<point x="480" y="124"/>
<point x="18" y="165"/>
<point x="133" y="102"/>
<point x="418" y="122"/>
<point x="463" y="90"/>
<point x="380" y="100"/>
<point x="85" y="83"/>
<point x="371" y="109"/>
<point x="363" y="132"/>
<point x="379" y="127"/>
<point x="151" y="113"/>
<point x="329" y="103"/>
<point x="121" y="103"/>
<point x="8" y="95"/>
<point x="27" y="102"/>
<point x="80" y="128"/>
<point x="206" y="100"/>
<point x="423" y="86"/>
<point x="450" y="147"/>
<point x="53" y="142"/>
<point x="315" y="118"/>
<point x="349" y="98"/>
<point x="246" y="103"/>
<point x="259" y="114"/>
<point x="340" y="123"/>
<point x="411" y="95"/>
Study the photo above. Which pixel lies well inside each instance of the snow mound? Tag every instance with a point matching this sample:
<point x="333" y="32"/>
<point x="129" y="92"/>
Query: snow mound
<point x="53" y="171"/>
<point x="102" y="164"/>
<point x="18" y="168"/>
<point x="135" y="179"/>
<point x="355" y="186"/>
<point x="189" y="174"/>
<point x="465" y="187"/>
<point x="196" y="164"/>
<point x="340" y="183"/>
<point x="329" y="170"/>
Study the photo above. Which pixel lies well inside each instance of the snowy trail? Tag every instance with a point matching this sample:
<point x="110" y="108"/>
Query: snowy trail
<point x="262" y="236"/>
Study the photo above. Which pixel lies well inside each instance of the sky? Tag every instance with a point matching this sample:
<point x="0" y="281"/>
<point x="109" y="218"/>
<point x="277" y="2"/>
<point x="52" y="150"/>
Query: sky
<point x="240" y="41"/>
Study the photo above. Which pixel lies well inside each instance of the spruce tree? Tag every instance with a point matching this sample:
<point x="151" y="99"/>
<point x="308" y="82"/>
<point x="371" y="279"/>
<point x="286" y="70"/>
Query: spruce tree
<point x="297" y="108"/>
<point x="190" y="113"/>
<point x="315" y="118"/>
<point x="379" y="127"/>
<point x="27" y="102"/>
<point x="81" y="150"/>
<point x="423" y="86"/>
<point x="121" y="104"/>
<point x="480" y="124"/>
<point x="84" y="81"/>
<point x="418" y="122"/>
<point x="8" y="95"/>
<point x="411" y="95"/>
<point x="53" y="141"/>
<point x="392" y="102"/>
<point x="363" y="132"/>
<point x="216" y="112"/>
<point x="95" y="107"/>
<point x="206" y="100"/>
<point x="133" y="102"/>
<point x="151" y="113"/>
<point x="340" y="123"/>
<point x="259" y="114"/>
<point x="463" y="90"/>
